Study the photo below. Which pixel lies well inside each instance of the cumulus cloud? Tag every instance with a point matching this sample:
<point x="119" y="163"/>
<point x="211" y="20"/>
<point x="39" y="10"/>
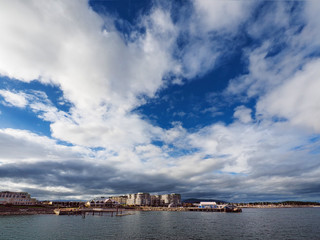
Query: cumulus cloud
<point x="297" y="99"/>
<point x="16" y="99"/>
<point x="221" y="15"/>
<point x="243" y="114"/>
<point x="104" y="75"/>
<point x="110" y="74"/>
<point x="18" y="146"/>
<point x="78" y="51"/>
<point x="282" y="70"/>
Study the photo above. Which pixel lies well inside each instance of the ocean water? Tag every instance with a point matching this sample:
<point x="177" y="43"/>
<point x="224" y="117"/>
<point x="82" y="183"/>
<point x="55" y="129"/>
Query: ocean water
<point x="292" y="223"/>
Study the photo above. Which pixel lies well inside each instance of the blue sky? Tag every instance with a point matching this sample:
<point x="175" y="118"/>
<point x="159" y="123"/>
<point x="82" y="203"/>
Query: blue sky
<point x="210" y="99"/>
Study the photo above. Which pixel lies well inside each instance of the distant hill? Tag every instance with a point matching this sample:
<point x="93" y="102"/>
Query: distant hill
<point x="198" y="200"/>
<point x="63" y="200"/>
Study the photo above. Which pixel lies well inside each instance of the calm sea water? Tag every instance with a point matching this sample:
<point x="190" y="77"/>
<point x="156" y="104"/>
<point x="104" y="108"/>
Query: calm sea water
<point x="295" y="223"/>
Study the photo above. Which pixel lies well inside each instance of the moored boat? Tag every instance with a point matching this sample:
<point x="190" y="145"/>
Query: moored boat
<point x="232" y="208"/>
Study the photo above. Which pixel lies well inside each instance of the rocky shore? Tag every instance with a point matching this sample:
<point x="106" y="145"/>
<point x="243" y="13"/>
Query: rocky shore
<point x="24" y="210"/>
<point x="34" y="210"/>
<point x="175" y="209"/>
<point x="278" y="206"/>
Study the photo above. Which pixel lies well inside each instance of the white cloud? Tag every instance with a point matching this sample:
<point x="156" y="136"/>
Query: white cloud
<point x="209" y="27"/>
<point x="19" y="146"/>
<point x="16" y="99"/>
<point x="221" y="15"/>
<point x="275" y="76"/>
<point x="297" y="100"/>
<point x="104" y="76"/>
<point x="243" y="114"/>
<point x="66" y="46"/>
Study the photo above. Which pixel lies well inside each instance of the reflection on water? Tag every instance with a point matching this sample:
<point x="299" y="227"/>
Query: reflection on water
<point x="296" y="223"/>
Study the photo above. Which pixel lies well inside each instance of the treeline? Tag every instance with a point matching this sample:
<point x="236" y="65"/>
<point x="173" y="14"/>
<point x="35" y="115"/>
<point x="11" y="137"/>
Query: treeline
<point x="281" y="203"/>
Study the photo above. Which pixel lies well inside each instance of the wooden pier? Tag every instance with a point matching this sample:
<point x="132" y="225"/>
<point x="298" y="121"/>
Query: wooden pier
<point x="90" y="211"/>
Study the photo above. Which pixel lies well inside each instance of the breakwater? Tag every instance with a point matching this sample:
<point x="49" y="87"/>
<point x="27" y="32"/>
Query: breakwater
<point x="35" y="210"/>
<point x="92" y="211"/>
<point x="192" y="209"/>
<point x="25" y="210"/>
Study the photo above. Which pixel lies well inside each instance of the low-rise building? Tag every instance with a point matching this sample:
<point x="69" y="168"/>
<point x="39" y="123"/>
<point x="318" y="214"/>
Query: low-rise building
<point x="66" y="203"/>
<point x="102" y="202"/>
<point x="17" y="198"/>
<point x="211" y="205"/>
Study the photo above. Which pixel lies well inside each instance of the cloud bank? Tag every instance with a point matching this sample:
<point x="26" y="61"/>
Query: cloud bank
<point x="100" y="144"/>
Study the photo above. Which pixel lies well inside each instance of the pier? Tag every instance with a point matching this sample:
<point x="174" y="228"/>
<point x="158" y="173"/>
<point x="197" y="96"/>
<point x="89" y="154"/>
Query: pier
<point x="224" y="209"/>
<point x="92" y="211"/>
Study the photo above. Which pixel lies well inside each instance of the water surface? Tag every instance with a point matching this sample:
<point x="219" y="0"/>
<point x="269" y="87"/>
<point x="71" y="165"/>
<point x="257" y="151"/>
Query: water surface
<point x="292" y="223"/>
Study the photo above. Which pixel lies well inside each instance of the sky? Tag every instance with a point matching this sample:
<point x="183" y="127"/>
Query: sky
<point x="209" y="99"/>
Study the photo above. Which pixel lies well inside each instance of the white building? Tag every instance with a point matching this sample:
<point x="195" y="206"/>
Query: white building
<point x="172" y="199"/>
<point x="122" y="200"/>
<point x="101" y="202"/>
<point x="131" y="200"/>
<point x="145" y="199"/>
<point x="211" y="205"/>
<point x="17" y="198"/>
<point x="156" y="201"/>
<point x="140" y="199"/>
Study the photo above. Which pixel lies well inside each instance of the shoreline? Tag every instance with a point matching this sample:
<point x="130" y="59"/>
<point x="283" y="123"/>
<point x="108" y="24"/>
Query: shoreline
<point x="277" y="206"/>
<point x="25" y="210"/>
<point x="41" y="210"/>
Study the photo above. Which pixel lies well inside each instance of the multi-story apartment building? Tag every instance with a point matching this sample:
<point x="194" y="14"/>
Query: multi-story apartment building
<point x="140" y="199"/>
<point x="131" y="200"/>
<point x="120" y="199"/>
<point x="145" y="199"/>
<point x="17" y="198"/>
<point x="156" y="201"/>
<point x="173" y="199"/>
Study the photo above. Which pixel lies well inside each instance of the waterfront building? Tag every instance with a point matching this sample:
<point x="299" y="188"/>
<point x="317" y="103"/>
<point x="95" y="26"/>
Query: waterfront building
<point x="172" y="199"/>
<point x="207" y="205"/>
<point x="66" y="203"/>
<point x="211" y="205"/>
<point x="140" y="199"/>
<point x="156" y="201"/>
<point x="102" y="202"/>
<point x="17" y="198"/>
<point x="165" y="199"/>
<point x="122" y="200"/>
<point x="175" y="198"/>
<point x="145" y="199"/>
<point x="131" y="199"/>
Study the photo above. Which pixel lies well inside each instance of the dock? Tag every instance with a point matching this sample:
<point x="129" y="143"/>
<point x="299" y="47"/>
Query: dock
<point x="224" y="209"/>
<point x="92" y="211"/>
